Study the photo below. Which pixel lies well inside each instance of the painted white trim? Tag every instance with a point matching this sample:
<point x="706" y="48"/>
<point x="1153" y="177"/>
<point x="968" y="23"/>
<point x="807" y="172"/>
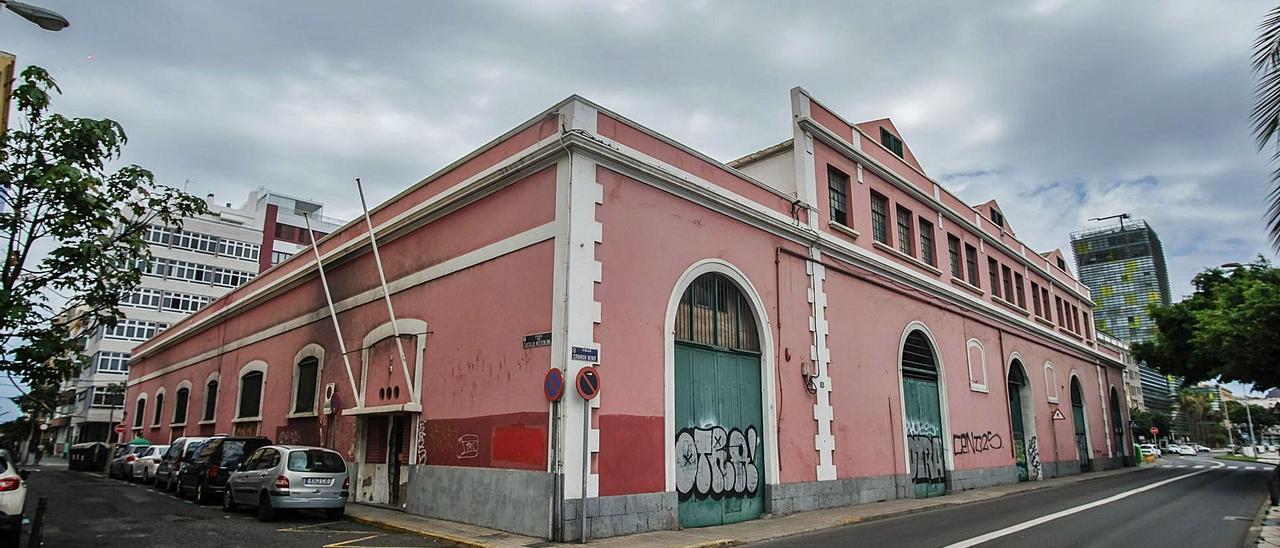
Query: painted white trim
<point x="393" y="408"/>
<point x="974" y="385"/>
<point x="769" y="382"/>
<point x="1106" y="417"/>
<point x="949" y="463"/>
<point x="1030" y="428"/>
<point x="158" y="412"/>
<point x="472" y="258"/>
<point x="255" y="366"/>
<point x="310" y="350"/>
<point x="408" y="327"/>
<point x="823" y="412"/>
<point x="140" y="420"/>
<point x="174" y="415"/>
<point x="1050" y="382"/>
<point x="1084" y="406"/>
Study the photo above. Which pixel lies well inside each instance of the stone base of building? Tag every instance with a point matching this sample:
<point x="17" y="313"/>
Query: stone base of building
<point x="1108" y="463"/>
<point x="977" y="478"/>
<point x="516" y="501"/>
<point x="789" y="498"/>
<point x="622" y="515"/>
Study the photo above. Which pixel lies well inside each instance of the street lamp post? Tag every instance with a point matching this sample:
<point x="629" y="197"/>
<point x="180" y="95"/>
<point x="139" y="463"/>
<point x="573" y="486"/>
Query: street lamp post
<point x="46" y="18"/>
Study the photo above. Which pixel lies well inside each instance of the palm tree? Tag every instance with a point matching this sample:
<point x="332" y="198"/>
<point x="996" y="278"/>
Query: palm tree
<point x="1266" y="109"/>
<point x="1194" y="406"/>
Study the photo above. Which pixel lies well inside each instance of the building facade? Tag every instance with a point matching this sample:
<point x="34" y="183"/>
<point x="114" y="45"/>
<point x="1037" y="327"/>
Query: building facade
<point x="1125" y="266"/>
<point x="191" y="267"/>
<point x="814" y="325"/>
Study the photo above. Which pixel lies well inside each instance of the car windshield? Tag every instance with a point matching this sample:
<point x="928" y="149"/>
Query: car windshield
<point x="233" y="451"/>
<point x="316" y="460"/>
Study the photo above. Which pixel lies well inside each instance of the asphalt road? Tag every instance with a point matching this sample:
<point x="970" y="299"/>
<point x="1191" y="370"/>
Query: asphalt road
<point x="90" y="510"/>
<point x="1207" y="503"/>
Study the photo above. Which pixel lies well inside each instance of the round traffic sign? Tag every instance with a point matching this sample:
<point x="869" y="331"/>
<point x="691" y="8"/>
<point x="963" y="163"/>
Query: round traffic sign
<point x="1154" y="430"/>
<point x="120" y="428"/>
<point x="588" y="383"/>
<point x="553" y="384"/>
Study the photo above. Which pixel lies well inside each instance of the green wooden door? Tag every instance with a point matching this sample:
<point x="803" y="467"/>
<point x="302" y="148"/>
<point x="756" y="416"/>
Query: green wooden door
<point x="719" y="449"/>
<point x="1077" y="417"/>
<point x="925" y="448"/>
<point x="1019" y="435"/>
<point x="1117" y="425"/>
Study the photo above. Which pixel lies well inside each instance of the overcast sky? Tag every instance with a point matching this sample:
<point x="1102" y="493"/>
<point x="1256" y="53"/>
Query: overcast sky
<point x="1060" y="110"/>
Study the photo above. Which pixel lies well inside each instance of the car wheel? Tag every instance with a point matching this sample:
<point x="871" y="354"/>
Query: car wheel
<point x="334" y="513"/>
<point x="265" y="511"/>
<point x="202" y="494"/>
<point x="228" y="501"/>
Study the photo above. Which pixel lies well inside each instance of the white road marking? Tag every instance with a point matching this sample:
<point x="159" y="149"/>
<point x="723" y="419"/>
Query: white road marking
<point x="1233" y="468"/>
<point x="1069" y="511"/>
<point x="1198" y="466"/>
<point x="1166" y="466"/>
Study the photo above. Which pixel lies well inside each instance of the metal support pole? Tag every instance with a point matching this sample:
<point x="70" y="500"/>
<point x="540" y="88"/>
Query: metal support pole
<point x="386" y="293"/>
<point x="1253" y="442"/>
<point x="586" y="464"/>
<point x="342" y="345"/>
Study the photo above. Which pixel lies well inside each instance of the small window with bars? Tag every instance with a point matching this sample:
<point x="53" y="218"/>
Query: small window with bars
<point x="905" y="241"/>
<point x="926" y="243"/>
<point x="714" y="312"/>
<point x="838" y="188"/>
<point x="971" y="263"/>
<point x="891" y="142"/>
<point x="953" y="252"/>
<point x="880" y="218"/>
<point x="993" y="273"/>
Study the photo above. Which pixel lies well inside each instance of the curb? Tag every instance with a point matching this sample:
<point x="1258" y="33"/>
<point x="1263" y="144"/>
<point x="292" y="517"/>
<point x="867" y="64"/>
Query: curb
<point x="441" y="537"/>
<point x="716" y="543"/>
<point x="1254" y="536"/>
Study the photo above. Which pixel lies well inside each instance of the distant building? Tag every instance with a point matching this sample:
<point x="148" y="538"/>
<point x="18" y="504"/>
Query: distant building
<point x="1132" y="379"/>
<point x="1124" y="266"/>
<point x="191" y="267"/>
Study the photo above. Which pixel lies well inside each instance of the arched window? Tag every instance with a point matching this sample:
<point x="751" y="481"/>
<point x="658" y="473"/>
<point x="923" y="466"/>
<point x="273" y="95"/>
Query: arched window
<point x="210" y="397"/>
<point x="1050" y="383"/>
<point x="917" y="357"/>
<point x="181" y="397"/>
<point x="250" y="406"/>
<point x="977" y="365"/>
<point x="1077" y="393"/>
<point x="714" y="312"/>
<point x="139" y="410"/>
<point x="155" y="421"/>
<point x="305" y="377"/>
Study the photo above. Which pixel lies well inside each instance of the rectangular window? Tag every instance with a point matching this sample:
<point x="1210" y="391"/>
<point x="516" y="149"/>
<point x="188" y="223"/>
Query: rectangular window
<point x="1075" y="319"/>
<point x="183" y="302"/>
<point x="926" y="243"/>
<point x="879" y="218"/>
<point x="158" y="235"/>
<point x="104" y="398"/>
<point x="1017" y="289"/>
<point x="210" y="399"/>
<point x="838" y="187"/>
<point x="1088" y="328"/>
<point x="971" y="264"/>
<point x="133" y="330"/>
<point x="112" y="362"/>
<point x="1035" y="298"/>
<point x="191" y="272"/>
<point x="993" y="273"/>
<point x="891" y="142"/>
<point x="1057" y="303"/>
<point x="158" y="268"/>
<point x="238" y="249"/>
<point x="905" y="241"/>
<point x="180" y="406"/>
<point x="142" y="298"/>
<point x="1044" y="298"/>
<point x="225" y="277"/>
<point x="953" y="251"/>
<point x="1008" y="282"/>
<point x="278" y="257"/>
<point x="194" y="241"/>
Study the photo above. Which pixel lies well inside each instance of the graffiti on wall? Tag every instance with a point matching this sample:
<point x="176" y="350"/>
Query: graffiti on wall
<point x="1033" y="458"/>
<point x="925" y="450"/>
<point x="422" y="442"/>
<point x="717" y="463"/>
<point x="975" y="442"/>
<point x="468" y="446"/>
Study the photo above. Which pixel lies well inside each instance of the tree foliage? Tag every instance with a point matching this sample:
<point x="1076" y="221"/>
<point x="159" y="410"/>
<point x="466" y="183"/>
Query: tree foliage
<point x="72" y="229"/>
<point x="1228" y="329"/>
<point x="1266" y="109"/>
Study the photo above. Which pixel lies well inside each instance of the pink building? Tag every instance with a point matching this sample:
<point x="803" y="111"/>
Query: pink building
<point x="816" y="324"/>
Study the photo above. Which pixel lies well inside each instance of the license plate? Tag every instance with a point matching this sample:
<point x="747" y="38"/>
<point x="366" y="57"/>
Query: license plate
<point x="317" y="481"/>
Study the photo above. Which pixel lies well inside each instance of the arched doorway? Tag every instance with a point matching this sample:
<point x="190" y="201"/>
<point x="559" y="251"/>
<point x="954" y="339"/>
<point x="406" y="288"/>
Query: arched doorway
<point x="926" y="450"/>
<point x="1081" y="427"/>
<point x="1026" y="451"/>
<point x="1117" y="425"/>
<point x="719" y="450"/>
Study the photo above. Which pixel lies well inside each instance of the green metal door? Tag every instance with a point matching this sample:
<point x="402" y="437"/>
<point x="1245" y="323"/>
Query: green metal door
<point x="1019" y="435"/>
<point x="719" y="444"/>
<point x="719" y="451"/>
<point x="1117" y="425"/>
<point x="924" y="437"/>
<point x="1077" y="417"/>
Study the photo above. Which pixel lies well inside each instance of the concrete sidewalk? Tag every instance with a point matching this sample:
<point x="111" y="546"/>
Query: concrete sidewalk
<point x="724" y="535"/>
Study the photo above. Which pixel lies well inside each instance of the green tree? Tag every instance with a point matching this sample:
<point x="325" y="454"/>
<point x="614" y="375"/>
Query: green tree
<point x="1262" y="417"/>
<point x="1266" y="109"/>
<point x="72" y="229"/>
<point x="1144" y="420"/>
<point x="1227" y="329"/>
<point x="1196" y="406"/>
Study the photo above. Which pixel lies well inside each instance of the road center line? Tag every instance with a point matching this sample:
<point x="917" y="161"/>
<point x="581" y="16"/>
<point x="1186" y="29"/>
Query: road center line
<point x="1069" y="511"/>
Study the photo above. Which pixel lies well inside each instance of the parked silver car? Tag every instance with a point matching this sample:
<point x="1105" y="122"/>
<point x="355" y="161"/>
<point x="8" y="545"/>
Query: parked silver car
<point x="144" y="468"/>
<point x="125" y="455"/>
<point x="287" y="477"/>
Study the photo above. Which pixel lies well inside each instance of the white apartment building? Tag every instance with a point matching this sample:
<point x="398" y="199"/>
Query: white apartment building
<point x="191" y="266"/>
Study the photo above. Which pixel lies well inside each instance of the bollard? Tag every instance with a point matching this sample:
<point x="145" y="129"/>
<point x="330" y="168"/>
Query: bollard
<point x="37" y="525"/>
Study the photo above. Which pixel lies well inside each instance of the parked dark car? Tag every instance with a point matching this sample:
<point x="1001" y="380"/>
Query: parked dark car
<point x="206" y="474"/>
<point x="171" y="461"/>
<point x="125" y="455"/>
